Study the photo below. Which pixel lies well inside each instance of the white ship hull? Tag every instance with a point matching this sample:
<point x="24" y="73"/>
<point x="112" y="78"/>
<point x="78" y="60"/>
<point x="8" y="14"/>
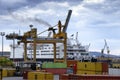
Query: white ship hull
<point x="45" y="51"/>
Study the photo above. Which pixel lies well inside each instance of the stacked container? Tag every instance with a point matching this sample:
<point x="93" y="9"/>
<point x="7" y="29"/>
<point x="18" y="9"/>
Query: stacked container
<point x="64" y="77"/>
<point x="4" y="73"/>
<point x="8" y="72"/>
<point x="55" y="68"/>
<point x="105" y="68"/>
<point x="88" y="77"/>
<point x="91" y="68"/>
<point x="40" y="76"/>
<point x="116" y="65"/>
<point x="114" y="71"/>
<point x="72" y="64"/>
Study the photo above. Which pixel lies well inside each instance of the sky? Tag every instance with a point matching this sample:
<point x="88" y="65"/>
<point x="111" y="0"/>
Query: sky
<point x="94" y="20"/>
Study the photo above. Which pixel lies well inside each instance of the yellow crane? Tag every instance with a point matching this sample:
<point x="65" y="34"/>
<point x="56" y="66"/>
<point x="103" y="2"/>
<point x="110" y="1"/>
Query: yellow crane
<point x="59" y="37"/>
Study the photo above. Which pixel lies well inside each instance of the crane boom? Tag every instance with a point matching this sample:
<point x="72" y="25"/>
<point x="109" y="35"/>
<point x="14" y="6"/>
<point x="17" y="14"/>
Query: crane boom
<point x="67" y="20"/>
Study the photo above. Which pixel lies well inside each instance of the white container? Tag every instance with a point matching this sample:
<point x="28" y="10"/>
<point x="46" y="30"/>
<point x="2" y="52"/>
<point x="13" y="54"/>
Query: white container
<point x="114" y="71"/>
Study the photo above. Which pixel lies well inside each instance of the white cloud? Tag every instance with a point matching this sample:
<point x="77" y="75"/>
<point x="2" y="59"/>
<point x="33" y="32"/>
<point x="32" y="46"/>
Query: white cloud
<point x="93" y="1"/>
<point x="5" y="17"/>
<point x="12" y="2"/>
<point x="56" y="4"/>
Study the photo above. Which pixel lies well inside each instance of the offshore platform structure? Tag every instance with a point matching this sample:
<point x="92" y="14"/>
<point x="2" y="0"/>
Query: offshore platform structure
<point x="58" y="37"/>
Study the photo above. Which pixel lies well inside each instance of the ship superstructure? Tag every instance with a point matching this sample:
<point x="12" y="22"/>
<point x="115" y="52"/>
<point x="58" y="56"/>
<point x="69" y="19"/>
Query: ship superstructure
<point x="45" y="51"/>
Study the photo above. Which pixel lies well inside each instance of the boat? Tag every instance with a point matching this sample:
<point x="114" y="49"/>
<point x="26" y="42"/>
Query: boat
<point x="75" y="51"/>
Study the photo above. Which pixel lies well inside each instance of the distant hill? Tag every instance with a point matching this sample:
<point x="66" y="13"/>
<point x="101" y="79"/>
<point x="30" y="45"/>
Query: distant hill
<point x="98" y="54"/>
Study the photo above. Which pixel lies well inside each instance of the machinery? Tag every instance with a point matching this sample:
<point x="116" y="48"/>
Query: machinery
<point x="32" y="37"/>
<point x="105" y="47"/>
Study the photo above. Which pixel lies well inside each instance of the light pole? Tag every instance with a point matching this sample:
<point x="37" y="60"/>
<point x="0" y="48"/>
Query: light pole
<point x="14" y="34"/>
<point x="2" y="34"/>
<point x="31" y="40"/>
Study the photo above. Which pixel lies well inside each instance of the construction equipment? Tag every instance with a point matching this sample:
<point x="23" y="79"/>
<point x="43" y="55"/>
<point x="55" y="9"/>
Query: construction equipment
<point x="105" y="47"/>
<point x="31" y="37"/>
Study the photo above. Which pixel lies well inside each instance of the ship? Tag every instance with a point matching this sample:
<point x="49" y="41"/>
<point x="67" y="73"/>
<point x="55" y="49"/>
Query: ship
<point x="45" y="52"/>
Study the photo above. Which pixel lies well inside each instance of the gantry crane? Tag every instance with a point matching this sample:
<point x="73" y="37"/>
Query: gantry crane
<point x="59" y="37"/>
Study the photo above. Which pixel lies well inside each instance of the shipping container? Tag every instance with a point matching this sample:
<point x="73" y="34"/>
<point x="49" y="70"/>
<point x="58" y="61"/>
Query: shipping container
<point x="91" y="77"/>
<point x="73" y="77"/>
<point x="31" y="76"/>
<point x="10" y="72"/>
<point x="88" y="72"/>
<point x="25" y="74"/>
<point x="116" y="65"/>
<point x="34" y="75"/>
<point x="54" y="65"/>
<point x="56" y="70"/>
<point x="85" y="66"/>
<point x="98" y="66"/>
<point x="71" y="63"/>
<point x="64" y="77"/>
<point x="92" y="66"/>
<point x="4" y="73"/>
<point x="40" y="76"/>
<point x="104" y="67"/>
<point x="114" y="71"/>
<point x="49" y="76"/>
<point x="85" y="72"/>
<point x="104" y="73"/>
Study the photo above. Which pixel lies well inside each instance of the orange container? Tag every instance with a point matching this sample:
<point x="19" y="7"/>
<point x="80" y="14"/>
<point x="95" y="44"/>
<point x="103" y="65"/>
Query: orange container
<point x="56" y="70"/>
<point x="73" y="64"/>
<point x="92" y="77"/>
<point x="104" y="67"/>
<point x="64" y="77"/>
<point x="73" y="77"/>
<point x="25" y="74"/>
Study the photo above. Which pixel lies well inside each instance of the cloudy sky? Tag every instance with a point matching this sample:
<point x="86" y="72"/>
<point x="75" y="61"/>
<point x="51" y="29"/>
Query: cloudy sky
<point x="94" y="20"/>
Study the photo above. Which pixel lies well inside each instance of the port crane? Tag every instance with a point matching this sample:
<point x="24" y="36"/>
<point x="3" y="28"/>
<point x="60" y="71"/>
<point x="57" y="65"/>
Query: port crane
<point x="105" y="47"/>
<point x="58" y="37"/>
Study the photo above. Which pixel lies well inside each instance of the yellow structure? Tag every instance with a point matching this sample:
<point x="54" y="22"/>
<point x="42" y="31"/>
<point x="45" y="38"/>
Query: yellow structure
<point x="88" y="72"/>
<point x="8" y="72"/>
<point x="93" y="66"/>
<point x="49" y="76"/>
<point x="40" y="76"/>
<point x="59" y="37"/>
<point x="116" y="65"/>
<point x="89" y="68"/>
<point x="4" y="73"/>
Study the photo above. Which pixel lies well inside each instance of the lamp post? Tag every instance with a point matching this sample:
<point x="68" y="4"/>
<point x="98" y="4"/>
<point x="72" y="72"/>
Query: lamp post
<point x="2" y="34"/>
<point x="31" y="26"/>
<point x="14" y="34"/>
